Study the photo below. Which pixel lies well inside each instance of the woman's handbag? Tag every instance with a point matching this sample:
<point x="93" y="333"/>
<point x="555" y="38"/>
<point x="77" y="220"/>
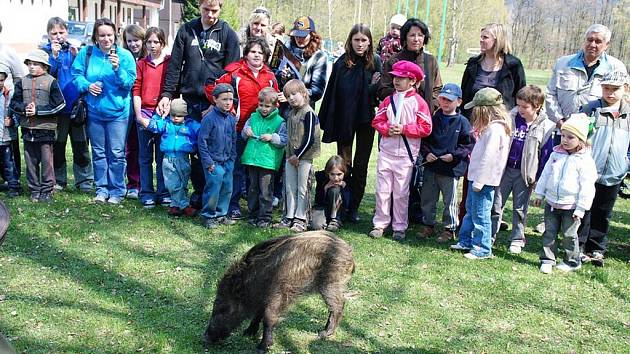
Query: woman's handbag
<point x="78" y="115"/>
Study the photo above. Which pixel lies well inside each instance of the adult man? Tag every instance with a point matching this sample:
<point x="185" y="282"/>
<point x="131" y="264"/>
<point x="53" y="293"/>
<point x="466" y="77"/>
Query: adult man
<point x="576" y="78"/>
<point x="202" y="48"/>
<point x="61" y="56"/>
<point x="390" y="44"/>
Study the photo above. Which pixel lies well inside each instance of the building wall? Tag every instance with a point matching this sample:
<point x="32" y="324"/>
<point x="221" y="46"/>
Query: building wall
<point x="24" y="21"/>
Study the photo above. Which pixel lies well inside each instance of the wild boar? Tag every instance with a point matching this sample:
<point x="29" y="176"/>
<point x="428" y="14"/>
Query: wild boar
<point x="271" y="275"/>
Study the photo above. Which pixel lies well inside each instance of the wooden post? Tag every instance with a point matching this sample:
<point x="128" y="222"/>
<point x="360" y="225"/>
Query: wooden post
<point x="102" y="9"/>
<point x="118" y="13"/>
<point x="144" y="16"/>
<point x="84" y="10"/>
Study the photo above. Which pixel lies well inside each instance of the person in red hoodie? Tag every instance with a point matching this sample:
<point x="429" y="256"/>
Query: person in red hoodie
<point x="146" y="91"/>
<point x="247" y="76"/>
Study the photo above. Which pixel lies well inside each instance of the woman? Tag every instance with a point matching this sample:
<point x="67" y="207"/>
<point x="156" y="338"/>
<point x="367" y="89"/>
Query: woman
<point x="248" y="76"/>
<point x="133" y="41"/>
<point x="347" y="109"/>
<point x="146" y="94"/>
<point x="414" y="36"/>
<point x="108" y="81"/>
<point x="305" y="44"/>
<point x="258" y="26"/>
<point x="495" y="67"/>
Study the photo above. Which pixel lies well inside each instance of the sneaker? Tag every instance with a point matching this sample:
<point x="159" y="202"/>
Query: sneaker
<point x="540" y="228"/>
<point x="298" y="225"/>
<point x="100" y="199"/>
<point x="398" y="236"/>
<point x="236" y="215"/>
<point x="226" y="221"/>
<point x="459" y="247"/>
<point x="85" y="187"/>
<point x="12" y="193"/>
<point x="426" y="233"/>
<point x="252" y="221"/>
<point x="275" y="202"/>
<point x="333" y="226"/>
<point x="504" y="226"/>
<point x="263" y="224"/>
<point x="132" y="194"/>
<point x="210" y="223"/>
<point x="353" y="216"/>
<point x="546" y="268"/>
<point x="149" y="204"/>
<point x="585" y="258"/>
<point x="114" y="200"/>
<point x="597" y="259"/>
<point x="284" y="223"/>
<point x="446" y="236"/>
<point x="190" y="211"/>
<point x="474" y="257"/>
<point x="46" y="198"/>
<point x="34" y="197"/>
<point x="515" y="248"/>
<point x="166" y="201"/>
<point x="175" y="211"/>
<point x="376" y="233"/>
<point x="567" y="267"/>
<point x="59" y="187"/>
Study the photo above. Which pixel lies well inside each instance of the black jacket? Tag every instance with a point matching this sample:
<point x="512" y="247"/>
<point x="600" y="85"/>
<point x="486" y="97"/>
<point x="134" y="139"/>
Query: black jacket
<point x="187" y="73"/>
<point x="511" y="79"/>
<point x="349" y="100"/>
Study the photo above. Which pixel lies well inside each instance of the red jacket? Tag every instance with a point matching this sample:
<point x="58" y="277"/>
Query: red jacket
<point x="149" y="82"/>
<point x="246" y="87"/>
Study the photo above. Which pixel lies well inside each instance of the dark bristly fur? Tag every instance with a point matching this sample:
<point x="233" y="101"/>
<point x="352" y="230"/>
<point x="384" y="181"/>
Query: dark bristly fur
<point x="271" y="275"/>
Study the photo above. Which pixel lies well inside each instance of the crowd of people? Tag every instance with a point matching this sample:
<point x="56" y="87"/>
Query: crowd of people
<point x="221" y="113"/>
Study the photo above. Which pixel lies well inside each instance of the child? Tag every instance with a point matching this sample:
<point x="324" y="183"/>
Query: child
<point x="303" y="146"/>
<point x="178" y="141"/>
<point x="37" y="100"/>
<point x="217" y="152"/>
<point x="401" y="120"/>
<point x="567" y="184"/>
<point x="446" y="153"/>
<point x="266" y="135"/>
<point x="7" y="131"/>
<point x="611" y="119"/>
<point x="487" y="162"/>
<point x="146" y="91"/>
<point x="529" y="150"/>
<point x="330" y="191"/>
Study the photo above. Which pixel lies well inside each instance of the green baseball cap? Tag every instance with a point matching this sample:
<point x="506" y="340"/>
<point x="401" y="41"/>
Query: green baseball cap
<point x="485" y="97"/>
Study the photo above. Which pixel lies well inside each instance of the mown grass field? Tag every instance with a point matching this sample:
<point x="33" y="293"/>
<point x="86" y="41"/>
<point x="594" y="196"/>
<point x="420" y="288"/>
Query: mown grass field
<point x="76" y="277"/>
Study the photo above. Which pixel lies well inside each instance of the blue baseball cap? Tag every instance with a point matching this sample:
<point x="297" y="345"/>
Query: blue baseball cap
<point x="451" y="92"/>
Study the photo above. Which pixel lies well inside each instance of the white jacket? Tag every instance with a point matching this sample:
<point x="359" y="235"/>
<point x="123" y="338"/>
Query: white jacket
<point x="568" y="179"/>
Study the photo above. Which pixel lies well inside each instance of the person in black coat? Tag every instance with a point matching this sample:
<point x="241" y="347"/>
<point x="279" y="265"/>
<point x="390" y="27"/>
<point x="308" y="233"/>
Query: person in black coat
<point x="347" y="109"/>
<point x="495" y="67"/>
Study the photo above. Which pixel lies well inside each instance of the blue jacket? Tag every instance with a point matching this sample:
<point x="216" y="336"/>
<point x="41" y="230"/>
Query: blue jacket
<point x="217" y="138"/>
<point x="450" y="135"/>
<point x="115" y="101"/>
<point x="60" y="69"/>
<point x="176" y="138"/>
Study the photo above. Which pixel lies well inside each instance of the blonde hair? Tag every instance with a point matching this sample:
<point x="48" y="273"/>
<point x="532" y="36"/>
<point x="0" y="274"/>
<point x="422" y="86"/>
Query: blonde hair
<point x="138" y="32"/>
<point x="502" y="45"/>
<point x="296" y="86"/>
<point x="482" y="116"/>
<point x="268" y="93"/>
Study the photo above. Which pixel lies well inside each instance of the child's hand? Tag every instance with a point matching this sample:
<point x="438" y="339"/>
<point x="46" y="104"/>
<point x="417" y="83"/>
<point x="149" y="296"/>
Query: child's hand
<point x="537" y="202"/>
<point x="293" y="160"/>
<point x="211" y="168"/>
<point x="281" y="97"/>
<point x="8" y="121"/>
<point x="30" y="109"/>
<point x="447" y="158"/>
<point x="248" y="131"/>
<point x="395" y="129"/>
<point x="576" y="218"/>
<point x="375" y="77"/>
<point x="164" y="106"/>
<point x="431" y="157"/>
<point x="265" y="137"/>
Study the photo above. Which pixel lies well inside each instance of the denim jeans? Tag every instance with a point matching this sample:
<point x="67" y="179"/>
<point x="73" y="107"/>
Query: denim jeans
<point x="81" y="164"/>
<point x="476" y="229"/>
<point x="218" y="190"/>
<point x="556" y="220"/>
<point x="9" y="172"/>
<point x="239" y="176"/>
<point x="149" y="151"/>
<point x="176" y="170"/>
<point x="196" y="106"/>
<point x="108" y="156"/>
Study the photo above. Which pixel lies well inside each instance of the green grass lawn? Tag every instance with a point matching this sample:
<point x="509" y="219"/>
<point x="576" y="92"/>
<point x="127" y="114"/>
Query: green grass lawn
<point x="83" y="278"/>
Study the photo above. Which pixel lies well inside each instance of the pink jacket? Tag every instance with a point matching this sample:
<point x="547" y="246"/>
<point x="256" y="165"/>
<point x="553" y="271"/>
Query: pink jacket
<point x="415" y="118"/>
<point x="489" y="156"/>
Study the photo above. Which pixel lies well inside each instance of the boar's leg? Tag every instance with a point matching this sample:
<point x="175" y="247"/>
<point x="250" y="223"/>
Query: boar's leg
<point x="333" y="296"/>
<point x="270" y="320"/>
<point x="253" y="327"/>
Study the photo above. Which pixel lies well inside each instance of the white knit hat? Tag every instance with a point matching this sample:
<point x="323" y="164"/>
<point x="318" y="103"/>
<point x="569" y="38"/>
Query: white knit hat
<point x="577" y="124"/>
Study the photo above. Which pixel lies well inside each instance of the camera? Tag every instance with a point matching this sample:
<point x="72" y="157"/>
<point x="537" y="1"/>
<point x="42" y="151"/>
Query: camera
<point x="65" y="46"/>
